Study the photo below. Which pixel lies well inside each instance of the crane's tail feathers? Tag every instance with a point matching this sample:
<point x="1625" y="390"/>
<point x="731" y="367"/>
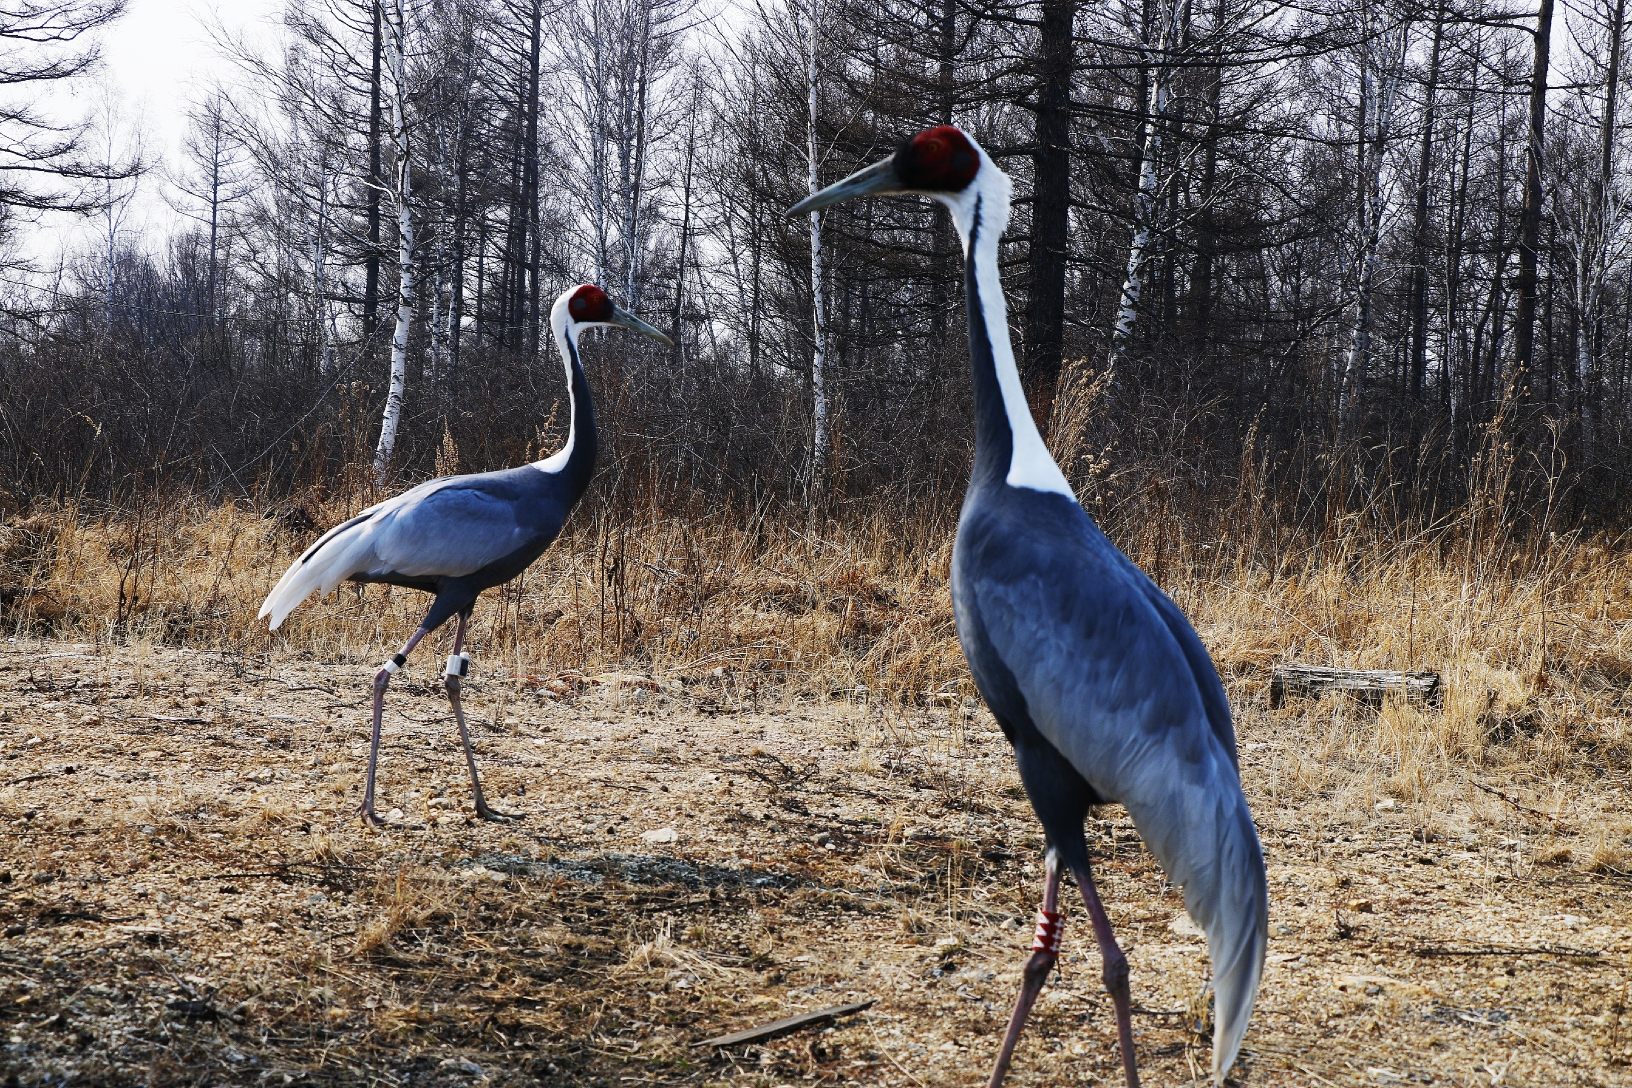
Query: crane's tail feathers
<point x="338" y="554"/>
<point x="1233" y="909"/>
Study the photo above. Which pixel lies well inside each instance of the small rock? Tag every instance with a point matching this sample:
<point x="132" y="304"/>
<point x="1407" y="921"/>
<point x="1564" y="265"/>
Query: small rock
<point x="460" y="1065"/>
<point x="1387" y="804"/>
<point x="823" y="839"/>
<point x="394" y="816"/>
<point x="661" y="834"/>
<point x="317" y="897"/>
<point x="624" y="680"/>
<point x="1360" y="906"/>
<point x="1282" y="930"/>
<point x="1183" y="926"/>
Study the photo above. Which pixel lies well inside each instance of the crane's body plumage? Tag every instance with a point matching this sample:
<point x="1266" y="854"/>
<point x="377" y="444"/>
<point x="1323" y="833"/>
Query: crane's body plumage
<point x="1095" y="676"/>
<point x="456" y="536"/>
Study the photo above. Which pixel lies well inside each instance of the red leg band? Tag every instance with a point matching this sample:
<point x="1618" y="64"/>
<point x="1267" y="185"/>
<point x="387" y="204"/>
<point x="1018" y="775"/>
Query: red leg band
<point x="1050" y="927"/>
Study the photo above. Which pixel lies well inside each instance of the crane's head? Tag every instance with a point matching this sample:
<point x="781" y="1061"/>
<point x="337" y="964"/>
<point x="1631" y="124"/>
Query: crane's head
<point x="588" y="306"/>
<point x="943" y="163"/>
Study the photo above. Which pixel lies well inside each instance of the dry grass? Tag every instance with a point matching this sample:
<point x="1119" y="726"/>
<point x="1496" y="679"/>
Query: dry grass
<point x="1448" y="885"/>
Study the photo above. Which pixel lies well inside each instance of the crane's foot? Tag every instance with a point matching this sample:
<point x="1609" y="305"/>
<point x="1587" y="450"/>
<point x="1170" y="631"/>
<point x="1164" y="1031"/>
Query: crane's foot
<point x="366" y="813"/>
<point x="485" y="813"/>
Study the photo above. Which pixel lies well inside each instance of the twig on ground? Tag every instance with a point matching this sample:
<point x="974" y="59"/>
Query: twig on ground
<point x="792" y="1023"/>
<point x="1544" y="950"/>
<point x="1516" y="804"/>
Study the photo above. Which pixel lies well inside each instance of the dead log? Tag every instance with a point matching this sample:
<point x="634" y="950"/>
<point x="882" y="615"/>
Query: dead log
<point x="1368" y="685"/>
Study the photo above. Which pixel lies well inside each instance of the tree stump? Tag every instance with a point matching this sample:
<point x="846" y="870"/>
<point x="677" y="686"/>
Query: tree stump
<point x="1368" y="685"/>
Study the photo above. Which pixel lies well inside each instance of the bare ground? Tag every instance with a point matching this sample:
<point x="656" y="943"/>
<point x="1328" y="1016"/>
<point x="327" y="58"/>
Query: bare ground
<point x="188" y="898"/>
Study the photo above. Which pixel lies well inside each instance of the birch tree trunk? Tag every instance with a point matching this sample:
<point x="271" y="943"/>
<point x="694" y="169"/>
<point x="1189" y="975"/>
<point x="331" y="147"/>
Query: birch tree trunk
<point x="1174" y="20"/>
<point x="818" y="361"/>
<point x="371" y="264"/>
<point x="396" y="50"/>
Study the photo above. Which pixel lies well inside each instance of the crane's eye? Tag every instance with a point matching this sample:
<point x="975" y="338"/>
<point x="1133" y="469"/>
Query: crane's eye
<point x="589" y="303"/>
<point x="939" y="159"/>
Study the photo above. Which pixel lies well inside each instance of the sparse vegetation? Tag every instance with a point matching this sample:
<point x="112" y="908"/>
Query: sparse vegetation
<point x="1447" y="882"/>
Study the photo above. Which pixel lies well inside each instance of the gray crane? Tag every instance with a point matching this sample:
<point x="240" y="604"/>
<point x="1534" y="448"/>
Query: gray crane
<point x="456" y="536"/>
<point x="1095" y="676"/>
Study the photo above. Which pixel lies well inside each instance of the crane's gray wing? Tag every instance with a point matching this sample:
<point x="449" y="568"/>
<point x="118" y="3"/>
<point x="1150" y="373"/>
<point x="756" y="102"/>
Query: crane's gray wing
<point x="1108" y="683"/>
<point x="444" y="528"/>
<point x="1213" y="699"/>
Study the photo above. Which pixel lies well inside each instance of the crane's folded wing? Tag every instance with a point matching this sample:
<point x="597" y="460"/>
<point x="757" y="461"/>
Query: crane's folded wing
<point x="1110" y="683"/>
<point x="448" y="532"/>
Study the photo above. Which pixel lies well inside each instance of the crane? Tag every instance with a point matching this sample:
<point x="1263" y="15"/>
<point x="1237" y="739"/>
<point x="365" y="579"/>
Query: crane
<point x="1095" y="676"/>
<point x="455" y="536"/>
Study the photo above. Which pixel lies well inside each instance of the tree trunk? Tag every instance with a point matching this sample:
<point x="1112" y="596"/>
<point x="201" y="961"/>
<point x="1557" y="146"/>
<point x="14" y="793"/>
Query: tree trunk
<point x="1524" y="323"/>
<point x="371" y="263"/>
<point x="1419" y="227"/>
<point x="637" y="166"/>
<point x="532" y="250"/>
<point x="818" y="360"/>
<point x="1201" y="273"/>
<point x="397" y="58"/>
<point x="1144" y="202"/>
<point x="677" y="355"/>
<point x="1050" y="206"/>
<point x="1584" y="393"/>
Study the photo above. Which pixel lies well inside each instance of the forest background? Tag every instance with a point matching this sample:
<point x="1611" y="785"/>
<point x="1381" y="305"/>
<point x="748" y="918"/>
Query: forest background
<point x="1278" y="274"/>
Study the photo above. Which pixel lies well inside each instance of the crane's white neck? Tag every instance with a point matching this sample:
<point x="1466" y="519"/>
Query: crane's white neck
<point x="982" y="210"/>
<point x="566" y="339"/>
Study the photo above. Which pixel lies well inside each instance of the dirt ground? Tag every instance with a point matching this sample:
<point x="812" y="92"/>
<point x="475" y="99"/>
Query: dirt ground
<point x="188" y="898"/>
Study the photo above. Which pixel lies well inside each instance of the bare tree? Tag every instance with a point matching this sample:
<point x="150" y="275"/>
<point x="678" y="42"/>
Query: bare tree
<point x="47" y="164"/>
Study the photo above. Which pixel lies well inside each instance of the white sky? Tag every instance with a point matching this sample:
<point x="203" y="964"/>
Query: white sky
<point x="157" y="61"/>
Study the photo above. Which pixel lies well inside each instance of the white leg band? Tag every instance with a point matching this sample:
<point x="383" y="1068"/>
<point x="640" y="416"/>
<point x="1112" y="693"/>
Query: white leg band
<point x="458" y="665"/>
<point x="396" y="662"/>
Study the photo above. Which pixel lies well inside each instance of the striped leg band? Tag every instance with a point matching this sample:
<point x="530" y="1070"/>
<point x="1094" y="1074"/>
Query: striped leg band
<point x="395" y="664"/>
<point x="1050" y="927"/>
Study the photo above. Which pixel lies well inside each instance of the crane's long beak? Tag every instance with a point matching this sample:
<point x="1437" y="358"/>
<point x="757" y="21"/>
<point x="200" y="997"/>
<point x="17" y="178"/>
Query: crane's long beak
<point x="624" y="319"/>
<point x="877" y="178"/>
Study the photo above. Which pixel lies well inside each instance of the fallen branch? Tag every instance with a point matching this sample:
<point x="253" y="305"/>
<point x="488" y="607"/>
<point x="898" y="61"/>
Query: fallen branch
<point x="792" y="1023"/>
<point x="1369" y="685"/>
<point x="1521" y="807"/>
<point x="1545" y="950"/>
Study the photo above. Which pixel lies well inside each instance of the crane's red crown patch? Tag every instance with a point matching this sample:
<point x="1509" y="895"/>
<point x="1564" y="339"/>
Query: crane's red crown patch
<point x="589" y="303"/>
<point x="939" y="159"/>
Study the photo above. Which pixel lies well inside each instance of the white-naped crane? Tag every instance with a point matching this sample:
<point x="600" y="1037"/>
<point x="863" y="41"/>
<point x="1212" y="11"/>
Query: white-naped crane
<point x="459" y="535"/>
<point x="1096" y="677"/>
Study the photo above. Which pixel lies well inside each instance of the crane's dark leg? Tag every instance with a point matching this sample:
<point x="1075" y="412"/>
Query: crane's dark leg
<point x="1116" y="969"/>
<point x="382" y="678"/>
<point x="457" y="663"/>
<point x="1045" y="950"/>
